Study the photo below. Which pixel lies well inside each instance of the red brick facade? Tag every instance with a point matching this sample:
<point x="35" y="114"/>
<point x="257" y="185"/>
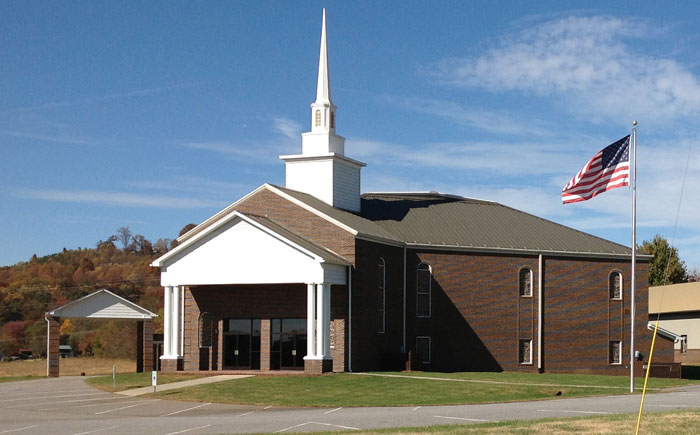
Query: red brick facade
<point x="478" y="319"/>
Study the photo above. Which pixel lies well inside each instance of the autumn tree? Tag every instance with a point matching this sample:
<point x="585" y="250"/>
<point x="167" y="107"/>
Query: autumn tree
<point x="665" y="267"/>
<point x="124" y="236"/>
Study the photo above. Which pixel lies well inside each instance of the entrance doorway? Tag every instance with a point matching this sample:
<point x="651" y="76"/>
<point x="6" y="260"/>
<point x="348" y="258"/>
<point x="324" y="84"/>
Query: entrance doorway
<point x="241" y="344"/>
<point x="288" y="344"/>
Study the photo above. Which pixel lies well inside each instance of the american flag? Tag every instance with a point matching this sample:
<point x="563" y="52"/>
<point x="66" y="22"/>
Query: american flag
<point x="608" y="169"/>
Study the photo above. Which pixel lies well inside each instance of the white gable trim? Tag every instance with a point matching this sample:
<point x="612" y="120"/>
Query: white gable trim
<point x="102" y="304"/>
<point x="240" y="250"/>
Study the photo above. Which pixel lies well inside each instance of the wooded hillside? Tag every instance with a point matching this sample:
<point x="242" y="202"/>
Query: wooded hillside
<point x="30" y="289"/>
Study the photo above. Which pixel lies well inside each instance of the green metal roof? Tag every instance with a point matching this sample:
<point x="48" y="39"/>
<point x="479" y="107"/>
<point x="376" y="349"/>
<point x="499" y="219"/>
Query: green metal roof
<point x="452" y="222"/>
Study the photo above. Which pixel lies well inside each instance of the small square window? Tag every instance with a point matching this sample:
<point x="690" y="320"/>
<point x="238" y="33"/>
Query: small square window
<point x="615" y="352"/>
<point x="525" y="351"/>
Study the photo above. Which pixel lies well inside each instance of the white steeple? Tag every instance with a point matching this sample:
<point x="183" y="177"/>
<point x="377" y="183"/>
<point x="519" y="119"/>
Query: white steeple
<point x="322" y="169"/>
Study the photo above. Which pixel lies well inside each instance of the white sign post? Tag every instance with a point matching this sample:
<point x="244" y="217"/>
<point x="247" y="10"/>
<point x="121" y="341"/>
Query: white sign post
<point x="154" y="380"/>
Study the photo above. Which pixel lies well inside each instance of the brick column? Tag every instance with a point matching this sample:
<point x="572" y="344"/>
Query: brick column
<point x="265" y="345"/>
<point x="147" y="344"/>
<point x="220" y="345"/>
<point x="53" y="336"/>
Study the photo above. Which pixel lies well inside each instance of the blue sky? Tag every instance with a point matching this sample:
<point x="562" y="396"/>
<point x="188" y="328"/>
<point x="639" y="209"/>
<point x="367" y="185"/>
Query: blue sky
<point x="153" y="115"/>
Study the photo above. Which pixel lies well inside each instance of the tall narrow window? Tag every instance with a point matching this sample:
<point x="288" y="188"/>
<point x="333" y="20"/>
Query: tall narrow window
<point x="423" y="284"/>
<point x="525" y="351"/>
<point x="525" y="282"/>
<point x="332" y="119"/>
<point x="615" y="352"/>
<point x="205" y="330"/>
<point x="381" y="295"/>
<point x="423" y="349"/>
<point x="318" y="118"/>
<point x="615" y="285"/>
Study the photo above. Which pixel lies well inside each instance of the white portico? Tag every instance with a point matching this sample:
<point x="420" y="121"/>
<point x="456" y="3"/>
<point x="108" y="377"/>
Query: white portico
<point x="243" y="250"/>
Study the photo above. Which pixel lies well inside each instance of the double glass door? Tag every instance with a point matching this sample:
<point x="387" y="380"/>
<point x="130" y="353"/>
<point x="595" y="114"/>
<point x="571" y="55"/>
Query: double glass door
<point x="288" y="344"/>
<point x="242" y="344"/>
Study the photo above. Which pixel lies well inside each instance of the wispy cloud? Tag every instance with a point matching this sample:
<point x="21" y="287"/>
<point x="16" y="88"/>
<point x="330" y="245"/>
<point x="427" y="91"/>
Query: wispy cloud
<point x="287" y="127"/>
<point x="191" y="184"/>
<point x="106" y="97"/>
<point x="47" y="138"/>
<point x="121" y="199"/>
<point x="489" y="121"/>
<point x="588" y="62"/>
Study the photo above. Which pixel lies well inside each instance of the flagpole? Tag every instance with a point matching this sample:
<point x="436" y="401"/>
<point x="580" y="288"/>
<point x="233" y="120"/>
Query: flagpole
<point x="634" y="250"/>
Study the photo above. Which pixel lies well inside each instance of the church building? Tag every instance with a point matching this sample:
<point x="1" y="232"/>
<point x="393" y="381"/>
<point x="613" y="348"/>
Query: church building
<point x="319" y="277"/>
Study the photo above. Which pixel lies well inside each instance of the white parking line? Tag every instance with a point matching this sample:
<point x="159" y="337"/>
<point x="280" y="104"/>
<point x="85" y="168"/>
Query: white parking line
<point x="125" y="407"/>
<point x="52" y="397"/>
<point x="85" y="406"/>
<point x="316" y="422"/>
<point x="188" y="430"/>
<point x="19" y="429"/>
<point x="574" y="412"/>
<point x="333" y="410"/>
<point x="461" y="418"/>
<point x="416" y="408"/>
<point x="96" y="430"/>
<point x="247" y="413"/>
<point x="188" y="409"/>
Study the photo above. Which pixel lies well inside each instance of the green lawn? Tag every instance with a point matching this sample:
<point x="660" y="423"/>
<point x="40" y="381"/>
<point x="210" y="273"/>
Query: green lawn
<point x="125" y="381"/>
<point x="18" y="378"/>
<point x="344" y="389"/>
<point x="657" y="423"/>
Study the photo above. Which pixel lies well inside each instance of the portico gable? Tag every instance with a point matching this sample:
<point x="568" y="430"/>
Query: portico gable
<point x="243" y="249"/>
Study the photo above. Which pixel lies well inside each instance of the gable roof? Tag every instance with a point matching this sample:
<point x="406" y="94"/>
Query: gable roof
<point x="440" y="221"/>
<point x="102" y="304"/>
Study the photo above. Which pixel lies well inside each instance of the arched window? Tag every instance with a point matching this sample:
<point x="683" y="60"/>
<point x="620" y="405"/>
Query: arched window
<point x="318" y="118"/>
<point x="525" y="282"/>
<point x="615" y="285"/>
<point x="381" y="295"/>
<point x="332" y="119"/>
<point x="423" y="283"/>
<point x="205" y="330"/>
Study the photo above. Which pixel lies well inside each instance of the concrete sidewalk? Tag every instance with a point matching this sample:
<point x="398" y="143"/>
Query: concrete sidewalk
<point x="173" y="385"/>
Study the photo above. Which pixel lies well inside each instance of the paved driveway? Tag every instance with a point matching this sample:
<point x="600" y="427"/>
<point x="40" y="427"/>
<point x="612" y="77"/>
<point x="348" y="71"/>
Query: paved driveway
<point x="67" y="405"/>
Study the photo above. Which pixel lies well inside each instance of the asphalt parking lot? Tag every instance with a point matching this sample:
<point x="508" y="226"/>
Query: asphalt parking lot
<point x="67" y="405"/>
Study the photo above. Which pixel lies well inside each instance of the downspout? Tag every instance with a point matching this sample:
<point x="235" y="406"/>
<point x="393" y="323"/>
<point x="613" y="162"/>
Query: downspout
<point x="539" y="313"/>
<point x="48" y="344"/>
<point x="182" y="321"/>
<point x="350" y="318"/>
<point x="404" y="300"/>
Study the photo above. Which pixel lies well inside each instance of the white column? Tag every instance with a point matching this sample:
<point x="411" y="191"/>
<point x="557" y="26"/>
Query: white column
<point x="320" y="321"/>
<point x="326" y="289"/>
<point x="310" y="320"/>
<point x="167" y="326"/>
<point x="175" y="340"/>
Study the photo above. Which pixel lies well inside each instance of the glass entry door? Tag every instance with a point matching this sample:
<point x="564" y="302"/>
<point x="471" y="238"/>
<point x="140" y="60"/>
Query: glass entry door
<point x="241" y="344"/>
<point x="288" y="344"/>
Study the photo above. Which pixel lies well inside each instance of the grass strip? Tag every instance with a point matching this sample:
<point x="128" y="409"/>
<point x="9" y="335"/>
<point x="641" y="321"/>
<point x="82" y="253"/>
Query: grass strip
<point x="684" y="422"/>
<point x="126" y="381"/>
<point x="348" y="390"/>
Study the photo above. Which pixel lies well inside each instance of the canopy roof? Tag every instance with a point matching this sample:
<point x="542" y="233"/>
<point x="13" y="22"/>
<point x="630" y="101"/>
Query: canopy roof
<point x="102" y="304"/>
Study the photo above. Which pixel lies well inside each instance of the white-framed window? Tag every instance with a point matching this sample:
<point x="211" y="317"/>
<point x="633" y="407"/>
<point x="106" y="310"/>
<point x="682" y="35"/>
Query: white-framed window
<point x="525" y="351"/>
<point x="525" y="282"/>
<point x="206" y="326"/>
<point x="381" y="295"/>
<point x="332" y="119"/>
<point x="684" y="343"/>
<point x="424" y="275"/>
<point x="615" y="285"/>
<point x="615" y="352"/>
<point x="423" y="349"/>
<point x="318" y="118"/>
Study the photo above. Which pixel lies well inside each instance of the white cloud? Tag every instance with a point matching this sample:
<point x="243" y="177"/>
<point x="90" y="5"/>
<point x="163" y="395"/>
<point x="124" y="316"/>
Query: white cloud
<point x="121" y="199"/>
<point x="287" y="127"/>
<point x="489" y="121"/>
<point x="589" y="63"/>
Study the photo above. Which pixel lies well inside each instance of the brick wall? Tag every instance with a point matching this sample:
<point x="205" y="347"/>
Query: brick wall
<point x="301" y="221"/>
<point x="264" y="302"/>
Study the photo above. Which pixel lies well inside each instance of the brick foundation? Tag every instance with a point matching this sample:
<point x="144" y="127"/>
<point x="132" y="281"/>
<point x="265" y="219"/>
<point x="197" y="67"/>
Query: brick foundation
<point x="170" y="365"/>
<point x="318" y="366"/>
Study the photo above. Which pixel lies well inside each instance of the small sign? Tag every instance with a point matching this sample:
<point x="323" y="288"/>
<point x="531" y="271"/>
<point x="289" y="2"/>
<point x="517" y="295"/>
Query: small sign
<point x="154" y="378"/>
<point x="294" y="352"/>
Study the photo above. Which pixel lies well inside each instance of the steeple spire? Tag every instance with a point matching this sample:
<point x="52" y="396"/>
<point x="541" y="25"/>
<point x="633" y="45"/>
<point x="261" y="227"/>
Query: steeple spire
<point x="322" y="169"/>
<point x="323" y="89"/>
